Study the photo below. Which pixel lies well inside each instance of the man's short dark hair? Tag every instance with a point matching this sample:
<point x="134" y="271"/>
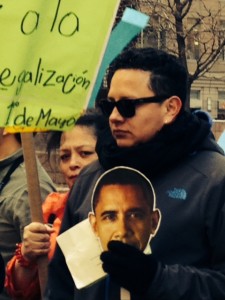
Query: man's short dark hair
<point x="168" y="75"/>
<point x="124" y="176"/>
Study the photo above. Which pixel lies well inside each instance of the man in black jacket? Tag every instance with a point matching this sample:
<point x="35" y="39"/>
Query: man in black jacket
<point x="151" y="131"/>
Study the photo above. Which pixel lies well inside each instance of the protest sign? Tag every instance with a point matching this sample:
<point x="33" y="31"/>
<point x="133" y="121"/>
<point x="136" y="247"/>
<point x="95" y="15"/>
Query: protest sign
<point x="50" y="55"/>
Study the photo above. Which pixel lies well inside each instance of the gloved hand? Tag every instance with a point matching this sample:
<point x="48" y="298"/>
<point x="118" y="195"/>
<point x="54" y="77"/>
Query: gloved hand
<point x="129" y="267"/>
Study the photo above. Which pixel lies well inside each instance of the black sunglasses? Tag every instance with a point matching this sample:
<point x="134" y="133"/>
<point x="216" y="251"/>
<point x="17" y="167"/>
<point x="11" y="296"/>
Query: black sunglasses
<point x="126" y="107"/>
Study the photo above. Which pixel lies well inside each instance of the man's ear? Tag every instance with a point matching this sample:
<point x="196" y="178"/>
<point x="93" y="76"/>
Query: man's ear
<point x="173" y="106"/>
<point x="155" y="221"/>
<point x="92" y="220"/>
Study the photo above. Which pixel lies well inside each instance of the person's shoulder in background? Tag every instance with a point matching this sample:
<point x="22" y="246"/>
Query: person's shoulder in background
<point x="2" y="273"/>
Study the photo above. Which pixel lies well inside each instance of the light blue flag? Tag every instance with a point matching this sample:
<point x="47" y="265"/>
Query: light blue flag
<point x="131" y="24"/>
<point x="221" y="141"/>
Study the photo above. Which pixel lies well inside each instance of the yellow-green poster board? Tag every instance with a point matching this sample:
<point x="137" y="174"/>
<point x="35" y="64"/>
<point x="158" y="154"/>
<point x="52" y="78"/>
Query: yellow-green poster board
<point x="49" y="57"/>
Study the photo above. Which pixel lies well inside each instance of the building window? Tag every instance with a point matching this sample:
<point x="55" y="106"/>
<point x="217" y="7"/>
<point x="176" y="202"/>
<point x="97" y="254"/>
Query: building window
<point x="195" y="97"/>
<point x="193" y="39"/>
<point x="195" y="94"/>
<point x="221" y="99"/>
<point x="154" y="35"/>
<point x="221" y="105"/>
<point x="209" y="104"/>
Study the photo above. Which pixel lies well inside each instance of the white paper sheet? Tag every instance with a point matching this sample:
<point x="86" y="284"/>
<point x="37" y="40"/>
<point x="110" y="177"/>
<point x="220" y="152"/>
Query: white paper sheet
<point x="82" y="249"/>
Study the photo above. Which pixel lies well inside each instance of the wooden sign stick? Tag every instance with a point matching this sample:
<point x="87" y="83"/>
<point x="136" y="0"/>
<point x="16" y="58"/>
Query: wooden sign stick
<point x="1" y="133"/>
<point x="34" y="199"/>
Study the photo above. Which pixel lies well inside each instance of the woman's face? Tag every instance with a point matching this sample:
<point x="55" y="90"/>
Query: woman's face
<point x="77" y="149"/>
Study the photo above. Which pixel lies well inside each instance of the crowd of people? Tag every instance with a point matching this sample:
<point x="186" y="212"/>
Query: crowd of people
<point x="76" y="150"/>
<point x="14" y="202"/>
<point x="138" y="164"/>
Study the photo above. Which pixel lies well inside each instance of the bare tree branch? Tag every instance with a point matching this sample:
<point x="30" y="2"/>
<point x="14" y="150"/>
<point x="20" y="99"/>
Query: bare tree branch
<point x="186" y="24"/>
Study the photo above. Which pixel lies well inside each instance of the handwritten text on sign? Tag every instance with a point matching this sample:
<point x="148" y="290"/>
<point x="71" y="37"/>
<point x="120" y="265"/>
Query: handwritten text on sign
<point x="50" y="54"/>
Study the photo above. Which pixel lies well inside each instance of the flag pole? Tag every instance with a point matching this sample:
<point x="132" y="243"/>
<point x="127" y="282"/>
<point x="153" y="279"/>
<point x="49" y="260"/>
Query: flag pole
<point x="35" y="200"/>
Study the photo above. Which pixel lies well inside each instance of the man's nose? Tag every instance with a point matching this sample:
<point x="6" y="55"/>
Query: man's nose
<point x="123" y="230"/>
<point x="115" y="115"/>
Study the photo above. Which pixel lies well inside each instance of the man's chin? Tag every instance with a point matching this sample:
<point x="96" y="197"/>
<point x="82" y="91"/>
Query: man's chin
<point x="123" y="143"/>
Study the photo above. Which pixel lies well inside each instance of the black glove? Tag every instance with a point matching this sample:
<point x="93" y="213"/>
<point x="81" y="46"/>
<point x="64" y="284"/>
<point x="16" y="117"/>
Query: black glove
<point x="129" y="267"/>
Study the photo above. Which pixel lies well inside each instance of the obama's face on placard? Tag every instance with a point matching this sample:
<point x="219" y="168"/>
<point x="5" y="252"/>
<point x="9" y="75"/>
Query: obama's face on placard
<point x="123" y="213"/>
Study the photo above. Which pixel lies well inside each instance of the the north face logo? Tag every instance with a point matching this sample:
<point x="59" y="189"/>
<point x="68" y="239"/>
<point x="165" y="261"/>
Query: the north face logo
<point x="177" y="193"/>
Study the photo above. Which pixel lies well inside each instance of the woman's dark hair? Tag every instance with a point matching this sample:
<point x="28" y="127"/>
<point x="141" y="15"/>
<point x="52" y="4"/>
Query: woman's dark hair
<point x="92" y="118"/>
